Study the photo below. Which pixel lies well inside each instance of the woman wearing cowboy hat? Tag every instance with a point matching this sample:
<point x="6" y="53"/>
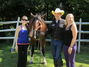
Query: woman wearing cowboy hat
<point x="57" y="29"/>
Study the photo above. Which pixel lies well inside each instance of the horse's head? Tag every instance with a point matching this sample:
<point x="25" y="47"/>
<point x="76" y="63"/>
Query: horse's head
<point x="37" y="23"/>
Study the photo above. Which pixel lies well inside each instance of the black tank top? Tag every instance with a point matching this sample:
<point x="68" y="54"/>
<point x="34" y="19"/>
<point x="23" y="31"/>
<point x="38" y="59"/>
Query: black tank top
<point x="68" y="36"/>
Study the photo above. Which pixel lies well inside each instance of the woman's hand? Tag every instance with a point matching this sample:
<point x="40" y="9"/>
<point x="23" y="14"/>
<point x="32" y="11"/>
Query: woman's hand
<point x="70" y="50"/>
<point x="16" y="48"/>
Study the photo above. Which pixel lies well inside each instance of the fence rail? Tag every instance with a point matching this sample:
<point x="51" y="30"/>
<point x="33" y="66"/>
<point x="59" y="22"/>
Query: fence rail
<point x="8" y="22"/>
<point x="80" y="31"/>
<point x="6" y="37"/>
<point x="6" y="30"/>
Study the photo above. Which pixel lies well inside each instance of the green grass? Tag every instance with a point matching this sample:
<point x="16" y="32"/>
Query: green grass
<point x="8" y="59"/>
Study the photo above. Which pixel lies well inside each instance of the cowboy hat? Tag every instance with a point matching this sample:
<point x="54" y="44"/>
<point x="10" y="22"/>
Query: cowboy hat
<point x="58" y="10"/>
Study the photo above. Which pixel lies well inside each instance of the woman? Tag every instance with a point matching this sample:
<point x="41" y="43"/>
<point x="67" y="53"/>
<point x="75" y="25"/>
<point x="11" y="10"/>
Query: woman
<point x="70" y="36"/>
<point x="22" y="41"/>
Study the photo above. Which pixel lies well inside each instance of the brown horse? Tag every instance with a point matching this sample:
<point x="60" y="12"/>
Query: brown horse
<point x="38" y="29"/>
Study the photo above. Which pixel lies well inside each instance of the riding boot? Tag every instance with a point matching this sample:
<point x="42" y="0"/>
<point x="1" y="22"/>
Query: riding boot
<point x="55" y="63"/>
<point x="60" y="63"/>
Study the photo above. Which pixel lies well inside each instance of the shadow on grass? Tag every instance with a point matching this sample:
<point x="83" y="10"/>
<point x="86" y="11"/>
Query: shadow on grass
<point x="83" y="56"/>
<point x="8" y="59"/>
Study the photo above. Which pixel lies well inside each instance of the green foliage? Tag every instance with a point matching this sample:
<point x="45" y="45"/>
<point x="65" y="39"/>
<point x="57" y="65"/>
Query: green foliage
<point x="79" y="8"/>
<point x="11" y="9"/>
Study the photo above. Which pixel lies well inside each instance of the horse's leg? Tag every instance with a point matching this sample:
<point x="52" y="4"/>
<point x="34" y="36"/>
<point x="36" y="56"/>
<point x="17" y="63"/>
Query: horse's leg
<point x="32" y="51"/>
<point x="42" y="46"/>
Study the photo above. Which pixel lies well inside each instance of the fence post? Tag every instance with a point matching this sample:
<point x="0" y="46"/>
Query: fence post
<point x="79" y="36"/>
<point x="14" y="40"/>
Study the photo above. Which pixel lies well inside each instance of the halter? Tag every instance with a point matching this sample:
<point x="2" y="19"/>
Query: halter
<point x="37" y="25"/>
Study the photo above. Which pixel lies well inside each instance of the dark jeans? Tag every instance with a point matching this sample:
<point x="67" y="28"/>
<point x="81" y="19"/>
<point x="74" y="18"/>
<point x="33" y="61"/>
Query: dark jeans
<point x="57" y="46"/>
<point x="22" y="55"/>
<point x="70" y="58"/>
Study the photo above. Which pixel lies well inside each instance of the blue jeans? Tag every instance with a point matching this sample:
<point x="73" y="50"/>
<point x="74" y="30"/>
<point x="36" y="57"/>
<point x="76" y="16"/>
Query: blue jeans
<point x="57" y="46"/>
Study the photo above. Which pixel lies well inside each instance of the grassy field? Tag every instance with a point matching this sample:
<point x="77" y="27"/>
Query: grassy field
<point x="8" y="59"/>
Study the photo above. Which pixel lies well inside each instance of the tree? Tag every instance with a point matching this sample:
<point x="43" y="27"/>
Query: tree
<point x="11" y="9"/>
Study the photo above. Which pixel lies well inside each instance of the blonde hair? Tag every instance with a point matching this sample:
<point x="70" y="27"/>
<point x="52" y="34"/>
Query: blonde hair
<point x="24" y="17"/>
<point x="70" y="14"/>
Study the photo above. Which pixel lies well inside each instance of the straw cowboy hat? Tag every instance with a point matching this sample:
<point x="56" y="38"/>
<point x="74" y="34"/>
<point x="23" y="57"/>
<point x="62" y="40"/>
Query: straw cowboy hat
<point x="58" y="10"/>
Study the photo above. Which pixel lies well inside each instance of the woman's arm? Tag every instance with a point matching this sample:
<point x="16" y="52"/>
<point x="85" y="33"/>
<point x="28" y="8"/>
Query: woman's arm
<point x="74" y="34"/>
<point x="17" y="32"/>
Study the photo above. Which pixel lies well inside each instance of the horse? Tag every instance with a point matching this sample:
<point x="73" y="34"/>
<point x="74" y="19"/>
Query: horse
<point x="38" y="30"/>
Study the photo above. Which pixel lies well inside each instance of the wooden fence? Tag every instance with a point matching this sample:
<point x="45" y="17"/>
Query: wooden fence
<point x="80" y="31"/>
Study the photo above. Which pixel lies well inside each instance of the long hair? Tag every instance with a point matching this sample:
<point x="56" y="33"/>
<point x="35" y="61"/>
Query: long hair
<point x="70" y="14"/>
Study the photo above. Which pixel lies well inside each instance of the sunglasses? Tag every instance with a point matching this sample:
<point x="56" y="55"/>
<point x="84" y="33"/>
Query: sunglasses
<point x="24" y="19"/>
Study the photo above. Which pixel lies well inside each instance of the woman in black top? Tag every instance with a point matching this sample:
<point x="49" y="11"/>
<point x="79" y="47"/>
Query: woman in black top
<point x="70" y="36"/>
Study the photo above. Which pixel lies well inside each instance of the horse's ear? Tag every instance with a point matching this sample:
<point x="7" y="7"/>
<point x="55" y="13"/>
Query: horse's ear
<point x="32" y="14"/>
<point x="44" y="15"/>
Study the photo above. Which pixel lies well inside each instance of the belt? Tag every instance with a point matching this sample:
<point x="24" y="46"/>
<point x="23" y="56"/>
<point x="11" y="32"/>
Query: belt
<point x="56" y="38"/>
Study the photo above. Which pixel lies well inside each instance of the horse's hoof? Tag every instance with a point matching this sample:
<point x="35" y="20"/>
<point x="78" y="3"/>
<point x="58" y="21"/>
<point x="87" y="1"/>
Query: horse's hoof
<point x="31" y="62"/>
<point x="44" y="62"/>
